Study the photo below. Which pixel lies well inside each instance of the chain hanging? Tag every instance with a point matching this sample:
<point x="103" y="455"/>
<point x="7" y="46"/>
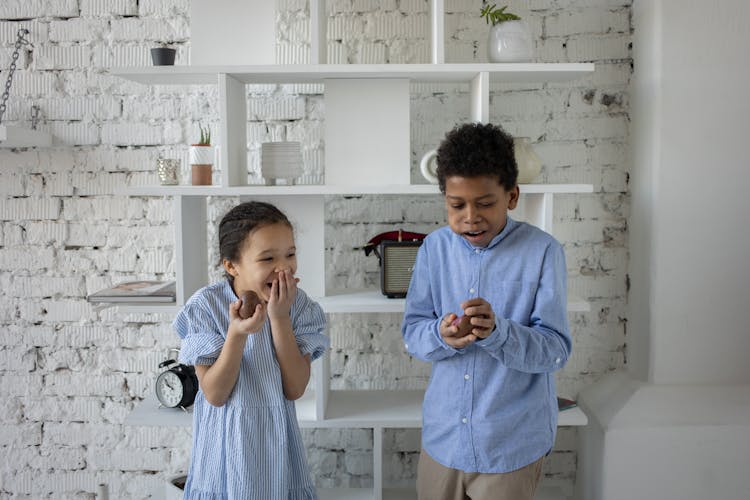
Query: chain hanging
<point x="21" y="41"/>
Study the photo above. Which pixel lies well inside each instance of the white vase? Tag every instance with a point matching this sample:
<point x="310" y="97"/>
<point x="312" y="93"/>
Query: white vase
<point x="529" y="164"/>
<point x="509" y="41"/>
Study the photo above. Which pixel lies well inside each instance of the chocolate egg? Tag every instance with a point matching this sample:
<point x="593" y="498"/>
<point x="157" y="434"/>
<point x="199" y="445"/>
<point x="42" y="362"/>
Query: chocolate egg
<point x="250" y="301"/>
<point x="464" y="325"/>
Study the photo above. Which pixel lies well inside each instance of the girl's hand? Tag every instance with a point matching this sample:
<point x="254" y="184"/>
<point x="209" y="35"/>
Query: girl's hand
<point x="283" y="293"/>
<point x="482" y="316"/>
<point x="239" y="326"/>
<point x="451" y="335"/>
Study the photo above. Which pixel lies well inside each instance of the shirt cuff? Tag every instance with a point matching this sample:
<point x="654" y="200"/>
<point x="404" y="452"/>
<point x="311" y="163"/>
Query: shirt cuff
<point x="497" y="338"/>
<point x="441" y="340"/>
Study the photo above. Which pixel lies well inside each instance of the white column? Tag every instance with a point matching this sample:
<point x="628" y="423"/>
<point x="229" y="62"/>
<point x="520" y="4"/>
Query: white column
<point x="190" y="248"/>
<point x="677" y="419"/>
<point x="480" y="97"/>
<point x="318" y="32"/>
<point x="437" y="31"/>
<point x="233" y="147"/>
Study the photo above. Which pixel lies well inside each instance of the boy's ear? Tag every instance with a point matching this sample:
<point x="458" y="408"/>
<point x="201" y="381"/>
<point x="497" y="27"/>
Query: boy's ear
<point x="514" y="194"/>
<point x="229" y="267"/>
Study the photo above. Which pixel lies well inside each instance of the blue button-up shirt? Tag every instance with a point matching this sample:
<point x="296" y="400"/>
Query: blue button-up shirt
<point x="490" y="407"/>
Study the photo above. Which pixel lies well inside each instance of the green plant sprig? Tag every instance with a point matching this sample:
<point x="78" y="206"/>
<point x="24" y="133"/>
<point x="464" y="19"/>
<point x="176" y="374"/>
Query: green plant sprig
<point x="493" y="15"/>
<point x="205" y="139"/>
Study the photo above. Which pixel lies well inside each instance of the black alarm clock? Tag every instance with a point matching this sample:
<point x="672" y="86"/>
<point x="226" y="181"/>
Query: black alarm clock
<point x="177" y="386"/>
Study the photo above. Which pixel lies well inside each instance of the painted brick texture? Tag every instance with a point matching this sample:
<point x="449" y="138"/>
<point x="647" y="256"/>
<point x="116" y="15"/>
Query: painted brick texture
<point x="71" y="373"/>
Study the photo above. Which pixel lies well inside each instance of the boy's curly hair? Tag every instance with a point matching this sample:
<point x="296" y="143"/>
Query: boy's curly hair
<point x="477" y="149"/>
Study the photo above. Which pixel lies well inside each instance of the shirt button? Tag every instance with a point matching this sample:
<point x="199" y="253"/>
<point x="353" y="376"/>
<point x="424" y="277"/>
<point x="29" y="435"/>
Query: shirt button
<point x="464" y="420"/>
<point x="471" y="290"/>
<point x="557" y="360"/>
<point x="466" y="377"/>
<point x="406" y="346"/>
<point x="476" y="250"/>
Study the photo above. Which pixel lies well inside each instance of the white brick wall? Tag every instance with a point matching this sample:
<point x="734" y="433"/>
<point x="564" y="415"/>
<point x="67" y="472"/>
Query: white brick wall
<point x="70" y="374"/>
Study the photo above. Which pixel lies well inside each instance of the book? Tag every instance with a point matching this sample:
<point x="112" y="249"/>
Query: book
<point x="565" y="404"/>
<point x="136" y="291"/>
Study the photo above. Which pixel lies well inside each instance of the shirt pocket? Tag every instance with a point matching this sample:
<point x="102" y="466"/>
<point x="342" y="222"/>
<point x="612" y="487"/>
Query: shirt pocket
<point x="513" y="300"/>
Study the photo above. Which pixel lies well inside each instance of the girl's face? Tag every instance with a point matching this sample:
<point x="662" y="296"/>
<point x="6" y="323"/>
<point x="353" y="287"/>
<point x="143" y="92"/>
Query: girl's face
<point x="265" y="252"/>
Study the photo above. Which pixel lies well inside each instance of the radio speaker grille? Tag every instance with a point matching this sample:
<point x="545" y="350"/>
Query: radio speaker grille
<point x="398" y="266"/>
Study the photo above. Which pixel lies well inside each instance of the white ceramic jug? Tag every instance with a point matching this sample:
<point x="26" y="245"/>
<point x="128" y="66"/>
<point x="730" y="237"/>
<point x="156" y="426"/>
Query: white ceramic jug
<point x="428" y="166"/>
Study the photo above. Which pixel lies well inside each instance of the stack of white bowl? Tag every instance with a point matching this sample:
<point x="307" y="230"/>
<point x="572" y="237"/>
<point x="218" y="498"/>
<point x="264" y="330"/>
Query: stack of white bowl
<point x="281" y="162"/>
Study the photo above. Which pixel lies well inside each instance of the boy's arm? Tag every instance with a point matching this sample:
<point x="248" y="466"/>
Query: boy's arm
<point x="421" y="326"/>
<point x="545" y="345"/>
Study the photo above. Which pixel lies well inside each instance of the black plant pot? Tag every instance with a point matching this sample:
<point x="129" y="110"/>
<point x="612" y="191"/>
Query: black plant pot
<point x="162" y="56"/>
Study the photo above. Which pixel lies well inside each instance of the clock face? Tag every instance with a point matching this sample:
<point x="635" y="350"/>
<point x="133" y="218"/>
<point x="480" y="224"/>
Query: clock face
<point x="169" y="389"/>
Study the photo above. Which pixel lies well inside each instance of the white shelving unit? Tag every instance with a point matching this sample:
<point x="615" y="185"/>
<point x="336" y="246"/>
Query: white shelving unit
<point x="18" y="137"/>
<point x="385" y="171"/>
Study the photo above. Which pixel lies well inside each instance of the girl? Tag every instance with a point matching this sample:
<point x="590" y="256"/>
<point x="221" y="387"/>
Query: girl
<point x="246" y="440"/>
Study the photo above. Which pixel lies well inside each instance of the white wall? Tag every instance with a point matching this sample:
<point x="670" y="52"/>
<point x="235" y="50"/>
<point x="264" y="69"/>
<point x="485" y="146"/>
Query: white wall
<point x="70" y="374"/>
<point x="691" y="282"/>
<point x="675" y="424"/>
<point x="701" y="280"/>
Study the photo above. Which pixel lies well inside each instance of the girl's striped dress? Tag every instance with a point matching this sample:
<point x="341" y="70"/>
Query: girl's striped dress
<point x="251" y="447"/>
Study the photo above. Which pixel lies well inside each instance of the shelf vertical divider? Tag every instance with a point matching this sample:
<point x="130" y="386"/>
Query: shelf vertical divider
<point x="191" y="247"/>
<point x="437" y="31"/>
<point x="377" y="463"/>
<point x="538" y="209"/>
<point x="233" y="116"/>
<point x="322" y="384"/>
<point x="318" y="32"/>
<point x="480" y="97"/>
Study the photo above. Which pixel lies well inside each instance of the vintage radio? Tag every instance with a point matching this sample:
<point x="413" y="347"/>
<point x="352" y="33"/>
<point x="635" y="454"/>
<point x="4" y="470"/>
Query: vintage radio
<point x="397" y="252"/>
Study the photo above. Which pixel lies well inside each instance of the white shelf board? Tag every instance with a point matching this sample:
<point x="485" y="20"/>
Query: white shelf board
<point x="142" y="307"/>
<point x="370" y="301"/>
<point x="18" y="137"/>
<point x="346" y="409"/>
<point x="317" y="73"/>
<point x="361" y="409"/>
<point x="258" y="190"/>
<point x="360" y="301"/>
<point x="148" y="412"/>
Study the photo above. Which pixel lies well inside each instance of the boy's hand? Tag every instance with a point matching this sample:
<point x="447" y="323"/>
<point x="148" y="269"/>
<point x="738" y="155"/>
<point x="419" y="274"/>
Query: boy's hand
<point x="451" y="335"/>
<point x="253" y="324"/>
<point x="482" y="316"/>
<point x="283" y="293"/>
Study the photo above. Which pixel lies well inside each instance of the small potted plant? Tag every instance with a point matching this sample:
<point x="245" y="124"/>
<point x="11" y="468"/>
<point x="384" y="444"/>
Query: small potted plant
<point x="163" y="55"/>
<point x="509" y="39"/>
<point x="202" y="158"/>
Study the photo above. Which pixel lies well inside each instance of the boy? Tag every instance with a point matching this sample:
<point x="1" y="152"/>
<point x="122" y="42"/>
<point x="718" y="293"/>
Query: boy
<point x="490" y="411"/>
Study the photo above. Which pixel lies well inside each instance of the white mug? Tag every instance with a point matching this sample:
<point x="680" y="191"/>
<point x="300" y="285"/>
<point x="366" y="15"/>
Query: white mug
<point x="428" y="166"/>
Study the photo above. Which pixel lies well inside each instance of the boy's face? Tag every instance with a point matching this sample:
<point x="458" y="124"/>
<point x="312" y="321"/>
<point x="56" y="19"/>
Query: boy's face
<point x="478" y="207"/>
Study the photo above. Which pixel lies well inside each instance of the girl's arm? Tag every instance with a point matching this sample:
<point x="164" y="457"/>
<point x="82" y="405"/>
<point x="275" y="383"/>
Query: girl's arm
<point x="217" y="380"/>
<point x="295" y="368"/>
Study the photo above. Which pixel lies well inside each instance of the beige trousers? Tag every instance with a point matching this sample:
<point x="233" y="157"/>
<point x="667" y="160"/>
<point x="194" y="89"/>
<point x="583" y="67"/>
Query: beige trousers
<point x="437" y="482"/>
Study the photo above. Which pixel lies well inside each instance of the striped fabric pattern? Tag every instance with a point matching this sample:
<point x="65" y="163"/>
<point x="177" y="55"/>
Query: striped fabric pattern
<point x="250" y="448"/>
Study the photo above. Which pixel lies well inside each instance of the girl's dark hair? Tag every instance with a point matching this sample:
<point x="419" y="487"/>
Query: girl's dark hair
<point x="242" y="220"/>
<point x="477" y="149"/>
